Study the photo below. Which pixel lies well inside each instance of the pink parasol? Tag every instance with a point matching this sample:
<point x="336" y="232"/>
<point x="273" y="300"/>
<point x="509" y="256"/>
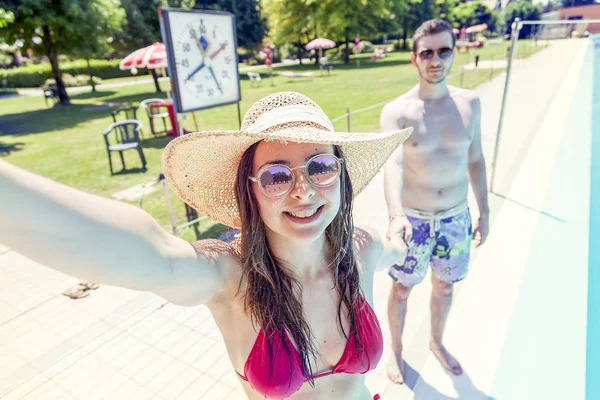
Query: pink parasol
<point x="320" y="43"/>
<point x="153" y="56"/>
<point x="477" y="28"/>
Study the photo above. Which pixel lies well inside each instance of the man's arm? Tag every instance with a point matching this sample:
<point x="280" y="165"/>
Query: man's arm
<point x="477" y="177"/>
<point x="393" y="176"/>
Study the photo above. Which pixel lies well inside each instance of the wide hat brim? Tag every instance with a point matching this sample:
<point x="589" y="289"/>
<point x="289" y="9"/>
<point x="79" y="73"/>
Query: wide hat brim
<point x="201" y="168"/>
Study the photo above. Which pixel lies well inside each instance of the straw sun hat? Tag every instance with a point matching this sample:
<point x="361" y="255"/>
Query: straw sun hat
<point x="202" y="167"/>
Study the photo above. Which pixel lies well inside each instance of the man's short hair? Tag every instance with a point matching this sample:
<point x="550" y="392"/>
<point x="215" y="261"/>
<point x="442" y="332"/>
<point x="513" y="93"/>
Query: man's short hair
<point x="432" y="27"/>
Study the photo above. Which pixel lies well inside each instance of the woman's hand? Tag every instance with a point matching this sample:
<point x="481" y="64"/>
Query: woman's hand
<point x="397" y="249"/>
<point x="400" y="225"/>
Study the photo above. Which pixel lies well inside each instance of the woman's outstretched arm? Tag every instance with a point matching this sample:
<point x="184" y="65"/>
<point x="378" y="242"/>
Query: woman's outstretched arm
<point x="103" y="240"/>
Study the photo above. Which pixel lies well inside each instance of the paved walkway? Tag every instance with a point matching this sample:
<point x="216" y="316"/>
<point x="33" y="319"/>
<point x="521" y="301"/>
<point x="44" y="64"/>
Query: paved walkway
<point x="516" y="319"/>
<point x="503" y="327"/>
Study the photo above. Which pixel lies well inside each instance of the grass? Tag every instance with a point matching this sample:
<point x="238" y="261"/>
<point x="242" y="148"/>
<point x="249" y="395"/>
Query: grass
<point x="65" y="143"/>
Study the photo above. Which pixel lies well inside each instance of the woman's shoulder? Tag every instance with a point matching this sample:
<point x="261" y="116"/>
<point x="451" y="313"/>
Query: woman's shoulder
<point x="225" y="255"/>
<point x="216" y="250"/>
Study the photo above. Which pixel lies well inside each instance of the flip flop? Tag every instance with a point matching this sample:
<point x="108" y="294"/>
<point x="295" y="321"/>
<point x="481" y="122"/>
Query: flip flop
<point x="76" y="294"/>
<point x="89" y="286"/>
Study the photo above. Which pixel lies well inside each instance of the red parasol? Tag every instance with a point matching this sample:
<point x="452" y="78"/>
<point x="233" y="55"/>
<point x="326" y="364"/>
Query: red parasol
<point x="153" y="56"/>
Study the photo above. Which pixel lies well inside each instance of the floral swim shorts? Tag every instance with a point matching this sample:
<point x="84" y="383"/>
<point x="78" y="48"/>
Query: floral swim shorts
<point x="440" y="239"/>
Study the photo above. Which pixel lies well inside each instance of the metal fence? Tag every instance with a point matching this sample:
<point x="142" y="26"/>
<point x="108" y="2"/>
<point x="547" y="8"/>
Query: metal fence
<point x="463" y="73"/>
<point x="465" y="80"/>
<point x="516" y="28"/>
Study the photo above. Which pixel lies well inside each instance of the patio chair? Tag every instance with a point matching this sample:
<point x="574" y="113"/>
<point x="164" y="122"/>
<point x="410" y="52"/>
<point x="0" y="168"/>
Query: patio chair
<point x="126" y="137"/>
<point x="51" y="92"/>
<point x="128" y="111"/>
<point x="324" y="64"/>
<point x="153" y="115"/>
<point x="254" y="78"/>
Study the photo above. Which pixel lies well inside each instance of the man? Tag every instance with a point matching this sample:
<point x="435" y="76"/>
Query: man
<point x="426" y="186"/>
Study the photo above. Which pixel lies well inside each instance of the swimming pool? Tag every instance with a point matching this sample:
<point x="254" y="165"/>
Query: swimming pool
<point x="593" y="321"/>
<point x="549" y="343"/>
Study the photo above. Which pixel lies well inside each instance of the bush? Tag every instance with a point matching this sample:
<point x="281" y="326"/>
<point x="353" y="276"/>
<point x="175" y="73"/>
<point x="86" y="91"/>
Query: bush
<point x="7" y="92"/>
<point x="36" y="75"/>
<point x="286" y="51"/>
<point x="366" y="47"/>
<point x="72" y="81"/>
<point x="258" y="59"/>
<point x="243" y="55"/>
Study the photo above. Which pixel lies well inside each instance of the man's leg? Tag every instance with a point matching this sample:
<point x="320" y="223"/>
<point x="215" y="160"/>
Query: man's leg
<point x="405" y="277"/>
<point x="441" y="299"/>
<point x="397" y="302"/>
<point x="450" y="263"/>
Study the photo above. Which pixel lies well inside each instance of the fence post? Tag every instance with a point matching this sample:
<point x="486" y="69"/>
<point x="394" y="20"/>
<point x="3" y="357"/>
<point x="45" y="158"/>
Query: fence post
<point x="516" y="27"/>
<point x="462" y="76"/>
<point x="348" y="110"/>
<point x="170" y="207"/>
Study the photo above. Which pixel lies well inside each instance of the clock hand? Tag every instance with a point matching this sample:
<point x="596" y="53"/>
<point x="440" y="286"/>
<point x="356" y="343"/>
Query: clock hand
<point x="215" y="78"/>
<point x="198" y="68"/>
<point x="198" y="43"/>
<point x="213" y="55"/>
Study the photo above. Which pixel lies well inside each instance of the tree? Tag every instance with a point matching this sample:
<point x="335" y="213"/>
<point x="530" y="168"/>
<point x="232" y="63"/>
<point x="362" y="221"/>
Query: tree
<point x="292" y="21"/>
<point x="342" y="19"/>
<point x="552" y="5"/>
<point x="6" y="17"/>
<point x="445" y="7"/>
<point x="300" y="21"/>
<point x="142" y="27"/>
<point x="398" y="13"/>
<point x="526" y="11"/>
<point x="60" y="25"/>
<point x="420" y="11"/>
<point x="95" y="35"/>
<point x="249" y="21"/>
<point x="468" y="14"/>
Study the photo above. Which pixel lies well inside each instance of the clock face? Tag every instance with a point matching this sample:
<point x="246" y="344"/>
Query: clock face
<point x="202" y="58"/>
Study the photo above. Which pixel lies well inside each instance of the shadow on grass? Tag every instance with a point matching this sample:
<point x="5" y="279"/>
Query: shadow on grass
<point x="62" y="117"/>
<point x="6" y="149"/>
<point x="158" y="142"/>
<point x="52" y="119"/>
<point x="130" y="171"/>
<point x="137" y="98"/>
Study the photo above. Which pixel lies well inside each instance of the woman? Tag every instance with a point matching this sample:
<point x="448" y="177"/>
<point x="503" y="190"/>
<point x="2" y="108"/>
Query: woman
<point x="293" y="296"/>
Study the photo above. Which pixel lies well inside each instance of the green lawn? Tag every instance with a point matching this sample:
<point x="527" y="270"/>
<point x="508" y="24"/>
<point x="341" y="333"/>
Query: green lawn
<point x="65" y="143"/>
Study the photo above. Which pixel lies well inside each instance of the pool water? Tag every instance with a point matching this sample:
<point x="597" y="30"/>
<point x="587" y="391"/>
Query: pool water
<point x="593" y="320"/>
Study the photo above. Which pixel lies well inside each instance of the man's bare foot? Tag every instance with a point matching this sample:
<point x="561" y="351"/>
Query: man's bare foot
<point x="446" y="359"/>
<point x="395" y="368"/>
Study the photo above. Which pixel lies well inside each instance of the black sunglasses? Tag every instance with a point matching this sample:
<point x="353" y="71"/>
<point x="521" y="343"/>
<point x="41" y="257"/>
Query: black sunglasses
<point x="444" y="53"/>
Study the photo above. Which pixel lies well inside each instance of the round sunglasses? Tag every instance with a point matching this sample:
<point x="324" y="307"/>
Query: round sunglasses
<point x="277" y="180"/>
<point x="444" y="53"/>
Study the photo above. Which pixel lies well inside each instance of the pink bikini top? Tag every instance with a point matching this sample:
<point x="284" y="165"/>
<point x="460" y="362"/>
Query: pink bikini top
<point x="277" y="379"/>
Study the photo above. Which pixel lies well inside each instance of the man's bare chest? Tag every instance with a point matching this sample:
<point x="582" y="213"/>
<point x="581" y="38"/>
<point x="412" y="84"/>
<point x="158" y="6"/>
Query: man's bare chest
<point x="449" y="133"/>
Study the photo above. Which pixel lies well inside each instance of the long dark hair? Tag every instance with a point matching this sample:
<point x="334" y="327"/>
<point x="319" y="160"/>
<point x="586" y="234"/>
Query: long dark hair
<point x="273" y="295"/>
